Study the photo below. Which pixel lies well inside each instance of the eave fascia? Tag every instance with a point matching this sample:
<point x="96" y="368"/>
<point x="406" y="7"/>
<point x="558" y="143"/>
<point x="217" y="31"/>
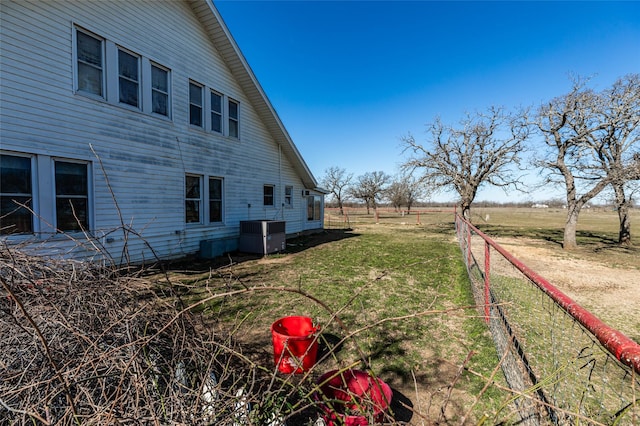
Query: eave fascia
<point x="224" y="42"/>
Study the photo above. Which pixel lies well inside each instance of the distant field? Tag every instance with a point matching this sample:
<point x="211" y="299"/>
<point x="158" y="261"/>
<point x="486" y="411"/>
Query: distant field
<point x="597" y="231"/>
<point x="600" y="275"/>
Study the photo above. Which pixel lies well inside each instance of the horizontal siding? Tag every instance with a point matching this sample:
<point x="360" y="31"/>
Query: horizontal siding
<point x="145" y="158"/>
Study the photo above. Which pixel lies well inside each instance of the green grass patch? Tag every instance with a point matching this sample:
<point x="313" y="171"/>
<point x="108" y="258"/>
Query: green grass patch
<point x="397" y="295"/>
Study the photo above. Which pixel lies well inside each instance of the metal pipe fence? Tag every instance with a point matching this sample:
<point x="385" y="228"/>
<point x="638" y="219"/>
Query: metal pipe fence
<point x="353" y="216"/>
<point x="565" y="366"/>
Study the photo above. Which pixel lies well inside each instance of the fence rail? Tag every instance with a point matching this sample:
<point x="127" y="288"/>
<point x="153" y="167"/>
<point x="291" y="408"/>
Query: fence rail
<point x="352" y="216"/>
<point x="577" y="369"/>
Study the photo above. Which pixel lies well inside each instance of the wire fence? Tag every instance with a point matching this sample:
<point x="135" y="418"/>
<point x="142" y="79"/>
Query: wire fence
<point x="564" y="365"/>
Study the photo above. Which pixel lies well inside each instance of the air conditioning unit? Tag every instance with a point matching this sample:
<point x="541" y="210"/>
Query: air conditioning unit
<point x="305" y="193"/>
<point x="262" y="236"/>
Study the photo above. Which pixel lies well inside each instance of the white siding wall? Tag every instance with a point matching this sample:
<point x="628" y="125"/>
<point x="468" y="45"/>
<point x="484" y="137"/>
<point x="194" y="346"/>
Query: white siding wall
<point x="145" y="158"/>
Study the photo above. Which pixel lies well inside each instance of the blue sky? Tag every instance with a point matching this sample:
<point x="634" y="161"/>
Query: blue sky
<point x="349" y="79"/>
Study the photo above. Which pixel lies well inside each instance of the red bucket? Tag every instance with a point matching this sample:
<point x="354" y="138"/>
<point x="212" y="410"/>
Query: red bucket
<point x="295" y="344"/>
<point x="352" y="398"/>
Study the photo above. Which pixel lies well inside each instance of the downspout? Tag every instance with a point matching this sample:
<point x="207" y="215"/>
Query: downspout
<point x="280" y="181"/>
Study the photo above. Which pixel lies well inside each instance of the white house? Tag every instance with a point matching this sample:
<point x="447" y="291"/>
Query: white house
<point x="137" y="128"/>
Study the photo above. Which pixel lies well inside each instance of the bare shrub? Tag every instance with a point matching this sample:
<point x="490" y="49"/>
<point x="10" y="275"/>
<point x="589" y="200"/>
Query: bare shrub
<point x="82" y="344"/>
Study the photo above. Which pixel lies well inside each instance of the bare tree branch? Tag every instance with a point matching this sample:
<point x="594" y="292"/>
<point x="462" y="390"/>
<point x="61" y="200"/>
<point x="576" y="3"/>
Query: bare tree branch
<point x="484" y="149"/>
<point x="591" y="140"/>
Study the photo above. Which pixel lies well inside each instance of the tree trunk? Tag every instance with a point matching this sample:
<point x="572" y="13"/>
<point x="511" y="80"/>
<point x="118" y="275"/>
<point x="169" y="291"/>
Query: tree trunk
<point x="569" y="241"/>
<point x="466" y="210"/>
<point x="622" y="204"/>
<point x="624" y="236"/>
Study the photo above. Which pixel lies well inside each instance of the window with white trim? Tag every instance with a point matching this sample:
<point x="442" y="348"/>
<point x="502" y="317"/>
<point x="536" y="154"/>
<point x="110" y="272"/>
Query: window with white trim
<point x="160" y="90"/>
<point x="269" y="195"/>
<point x="40" y="194"/>
<point x="216" y="112"/>
<point x="234" y="119"/>
<point x="89" y="64"/>
<point x="193" y="199"/>
<point x="128" y="78"/>
<point x="204" y="199"/>
<point x="72" y="196"/>
<point x="196" y="105"/>
<point x="215" y="200"/>
<point x="288" y="196"/>
<point x="120" y="76"/>
<point x="16" y="195"/>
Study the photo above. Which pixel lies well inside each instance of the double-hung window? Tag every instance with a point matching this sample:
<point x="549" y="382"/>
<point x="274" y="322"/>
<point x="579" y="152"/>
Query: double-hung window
<point x="288" y="196"/>
<point x="234" y="119"/>
<point x="269" y="191"/>
<point x="159" y="90"/>
<point x="196" y="106"/>
<point x="122" y="77"/>
<point x="16" y="195"/>
<point x="193" y="198"/>
<point x="128" y="78"/>
<point x="216" y="112"/>
<point x="72" y="196"/>
<point x="204" y="199"/>
<point x="215" y="200"/>
<point x="70" y="187"/>
<point x="90" y="64"/>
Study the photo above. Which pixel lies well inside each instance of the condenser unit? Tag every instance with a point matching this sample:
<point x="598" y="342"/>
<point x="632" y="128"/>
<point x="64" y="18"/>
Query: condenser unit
<point x="262" y="236"/>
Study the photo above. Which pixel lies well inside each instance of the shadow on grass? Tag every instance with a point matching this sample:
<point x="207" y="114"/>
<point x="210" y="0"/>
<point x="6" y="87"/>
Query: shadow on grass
<point x="551" y="235"/>
<point x="194" y="265"/>
<point x="307" y="241"/>
<point x="328" y="344"/>
<point x="587" y="239"/>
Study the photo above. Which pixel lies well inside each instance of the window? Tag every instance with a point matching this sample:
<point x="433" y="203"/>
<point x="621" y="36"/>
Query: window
<point x="90" y="65"/>
<point x="128" y="78"/>
<point x="234" y="114"/>
<point x="16" y="197"/>
<point x="193" y="199"/>
<point x="203" y="199"/>
<point x="122" y="77"/>
<point x="195" y="104"/>
<point x="72" y="196"/>
<point x="215" y="199"/>
<point x="288" y="196"/>
<point x="313" y="207"/>
<point x="216" y="112"/>
<point x="159" y="90"/>
<point x="268" y="195"/>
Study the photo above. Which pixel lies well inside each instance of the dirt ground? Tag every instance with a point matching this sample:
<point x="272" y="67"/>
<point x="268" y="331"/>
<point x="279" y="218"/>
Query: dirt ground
<point x="610" y="293"/>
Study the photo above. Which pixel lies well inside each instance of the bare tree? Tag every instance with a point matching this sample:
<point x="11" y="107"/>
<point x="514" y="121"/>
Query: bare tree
<point x="370" y="188"/>
<point x="565" y="123"/>
<point x="617" y="145"/>
<point x="588" y="146"/>
<point x="483" y="150"/>
<point x="405" y="190"/>
<point x="337" y="181"/>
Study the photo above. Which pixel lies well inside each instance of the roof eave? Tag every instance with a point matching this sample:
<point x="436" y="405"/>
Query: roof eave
<point x="235" y="60"/>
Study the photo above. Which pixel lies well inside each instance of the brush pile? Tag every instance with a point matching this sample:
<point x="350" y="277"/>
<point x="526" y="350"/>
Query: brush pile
<point x="80" y="343"/>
